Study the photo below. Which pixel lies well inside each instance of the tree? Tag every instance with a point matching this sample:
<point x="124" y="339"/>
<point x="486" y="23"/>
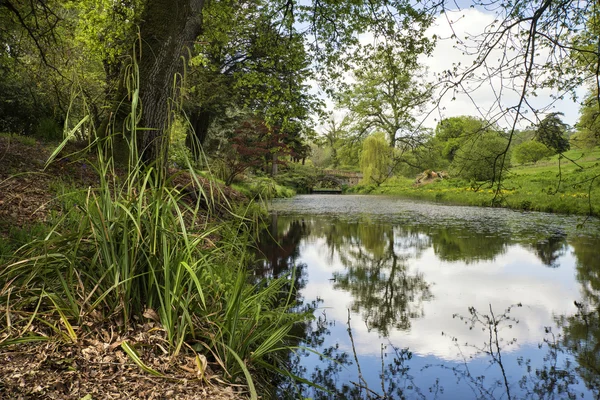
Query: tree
<point x="454" y="131"/>
<point x="588" y="126"/>
<point x="551" y="132"/>
<point x="243" y="60"/>
<point x="388" y="92"/>
<point x="479" y="158"/>
<point x="168" y="28"/>
<point x="273" y="46"/>
<point x="50" y="62"/>
<point x="530" y="46"/>
<point x="249" y="145"/>
<point x="375" y="159"/>
<point x="333" y="136"/>
<point x="531" y="151"/>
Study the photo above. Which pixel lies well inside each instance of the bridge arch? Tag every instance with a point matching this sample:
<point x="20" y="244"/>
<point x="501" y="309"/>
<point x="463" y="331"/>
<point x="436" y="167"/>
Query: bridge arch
<point x="332" y="181"/>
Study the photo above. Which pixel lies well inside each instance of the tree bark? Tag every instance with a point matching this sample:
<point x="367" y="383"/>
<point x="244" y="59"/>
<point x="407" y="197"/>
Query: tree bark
<point x="274" y="161"/>
<point x="168" y="27"/>
<point x="200" y="120"/>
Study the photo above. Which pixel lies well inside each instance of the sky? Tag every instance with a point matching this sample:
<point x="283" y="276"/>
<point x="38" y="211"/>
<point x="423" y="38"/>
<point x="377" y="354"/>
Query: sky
<point x="464" y="23"/>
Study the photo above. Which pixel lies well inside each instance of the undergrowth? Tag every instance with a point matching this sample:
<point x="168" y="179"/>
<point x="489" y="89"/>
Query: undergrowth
<point x="135" y="246"/>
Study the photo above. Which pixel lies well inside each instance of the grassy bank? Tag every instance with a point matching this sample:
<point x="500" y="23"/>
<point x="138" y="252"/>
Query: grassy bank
<point x="103" y="264"/>
<point x="551" y="185"/>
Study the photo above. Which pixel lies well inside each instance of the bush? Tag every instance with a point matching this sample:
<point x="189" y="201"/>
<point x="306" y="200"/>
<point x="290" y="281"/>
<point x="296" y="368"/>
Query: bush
<point x="481" y="158"/>
<point x="268" y="188"/>
<point x="298" y="177"/>
<point x="531" y="151"/>
<point x="48" y="129"/>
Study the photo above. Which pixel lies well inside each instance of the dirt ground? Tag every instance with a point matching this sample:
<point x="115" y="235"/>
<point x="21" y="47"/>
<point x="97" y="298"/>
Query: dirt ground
<point x="95" y="369"/>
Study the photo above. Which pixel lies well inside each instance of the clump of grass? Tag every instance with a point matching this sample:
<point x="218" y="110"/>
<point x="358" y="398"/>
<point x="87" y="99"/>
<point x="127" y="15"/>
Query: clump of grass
<point x="134" y="244"/>
<point x="26" y="140"/>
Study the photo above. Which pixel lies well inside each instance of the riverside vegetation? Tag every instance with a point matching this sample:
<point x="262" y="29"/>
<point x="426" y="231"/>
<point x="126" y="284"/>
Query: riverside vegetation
<point x="553" y="184"/>
<point x="134" y="264"/>
<point x="135" y="251"/>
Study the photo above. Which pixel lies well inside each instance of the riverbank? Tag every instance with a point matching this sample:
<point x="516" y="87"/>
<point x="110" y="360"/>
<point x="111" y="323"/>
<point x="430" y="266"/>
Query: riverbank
<point x="551" y="185"/>
<point x="115" y="284"/>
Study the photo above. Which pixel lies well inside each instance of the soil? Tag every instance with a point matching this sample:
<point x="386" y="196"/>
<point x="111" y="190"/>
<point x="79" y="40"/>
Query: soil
<point x="94" y="365"/>
<point x="97" y="367"/>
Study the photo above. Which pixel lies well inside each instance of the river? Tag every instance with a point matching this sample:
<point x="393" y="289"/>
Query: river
<point x="422" y="300"/>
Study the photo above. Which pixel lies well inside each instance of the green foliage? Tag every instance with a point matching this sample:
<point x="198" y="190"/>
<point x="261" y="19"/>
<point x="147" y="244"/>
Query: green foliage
<point x="389" y="91"/>
<point x="481" y="158"/>
<point x="375" y="160"/>
<point x="298" y="177"/>
<point x="267" y="188"/>
<point x="551" y="132"/>
<point x="139" y="243"/>
<point x="427" y="156"/>
<point x="321" y="157"/>
<point x="131" y="246"/>
<point x="26" y="140"/>
<point x="452" y="132"/>
<point x="530" y="187"/>
<point x="48" y="129"/>
<point x="179" y="153"/>
<point x="588" y="126"/>
<point x="242" y="61"/>
<point x="531" y="151"/>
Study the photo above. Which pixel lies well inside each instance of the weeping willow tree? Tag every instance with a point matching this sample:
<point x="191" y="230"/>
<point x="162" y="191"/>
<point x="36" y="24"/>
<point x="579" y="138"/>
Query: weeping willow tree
<point x="376" y="159"/>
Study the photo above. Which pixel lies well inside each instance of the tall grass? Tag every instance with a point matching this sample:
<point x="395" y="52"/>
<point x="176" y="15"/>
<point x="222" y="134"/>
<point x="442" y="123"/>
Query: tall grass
<point x="134" y="244"/>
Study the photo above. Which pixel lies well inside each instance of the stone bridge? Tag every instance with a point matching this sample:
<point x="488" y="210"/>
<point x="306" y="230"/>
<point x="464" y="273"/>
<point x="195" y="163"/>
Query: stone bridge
<point x="344" y="177"/>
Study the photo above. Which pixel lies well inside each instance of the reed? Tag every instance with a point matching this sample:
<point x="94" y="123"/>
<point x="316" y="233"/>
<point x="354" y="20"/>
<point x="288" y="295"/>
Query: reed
<point x="133" y="245"/>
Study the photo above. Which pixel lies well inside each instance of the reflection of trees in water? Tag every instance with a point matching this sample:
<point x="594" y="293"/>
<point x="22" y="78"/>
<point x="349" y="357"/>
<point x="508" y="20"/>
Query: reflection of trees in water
<point x="279" y="246"/>
<point x="550" y="249"/>
<point x="383" y="288"/>
<point x="555" y="378"/>
<point x="466" y="244"/>
<point x="581" y="331"/>
<point x="388" y="295"/>
<point x="375" y="257"/>
<point x="325" y="384"/>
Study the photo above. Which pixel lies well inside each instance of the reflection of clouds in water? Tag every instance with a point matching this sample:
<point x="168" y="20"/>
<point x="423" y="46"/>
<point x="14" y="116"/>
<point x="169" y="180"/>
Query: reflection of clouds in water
<point x="517" y="276"/>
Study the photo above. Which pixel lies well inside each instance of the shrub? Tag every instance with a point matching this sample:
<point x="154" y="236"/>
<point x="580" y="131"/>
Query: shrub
<point x="531" y="151"/>
<point x="481" y="158"/>
<point x="267" y="188"/>
<point x="298" y="177"/>
<point x="48" y="129"/>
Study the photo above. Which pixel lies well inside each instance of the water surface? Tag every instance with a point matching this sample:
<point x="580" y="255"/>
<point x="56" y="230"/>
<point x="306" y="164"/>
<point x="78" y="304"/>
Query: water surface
<point x="421" y="300"/>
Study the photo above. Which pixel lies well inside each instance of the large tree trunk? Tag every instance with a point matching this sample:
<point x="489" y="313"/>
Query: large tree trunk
<point x="168" y="27"/>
